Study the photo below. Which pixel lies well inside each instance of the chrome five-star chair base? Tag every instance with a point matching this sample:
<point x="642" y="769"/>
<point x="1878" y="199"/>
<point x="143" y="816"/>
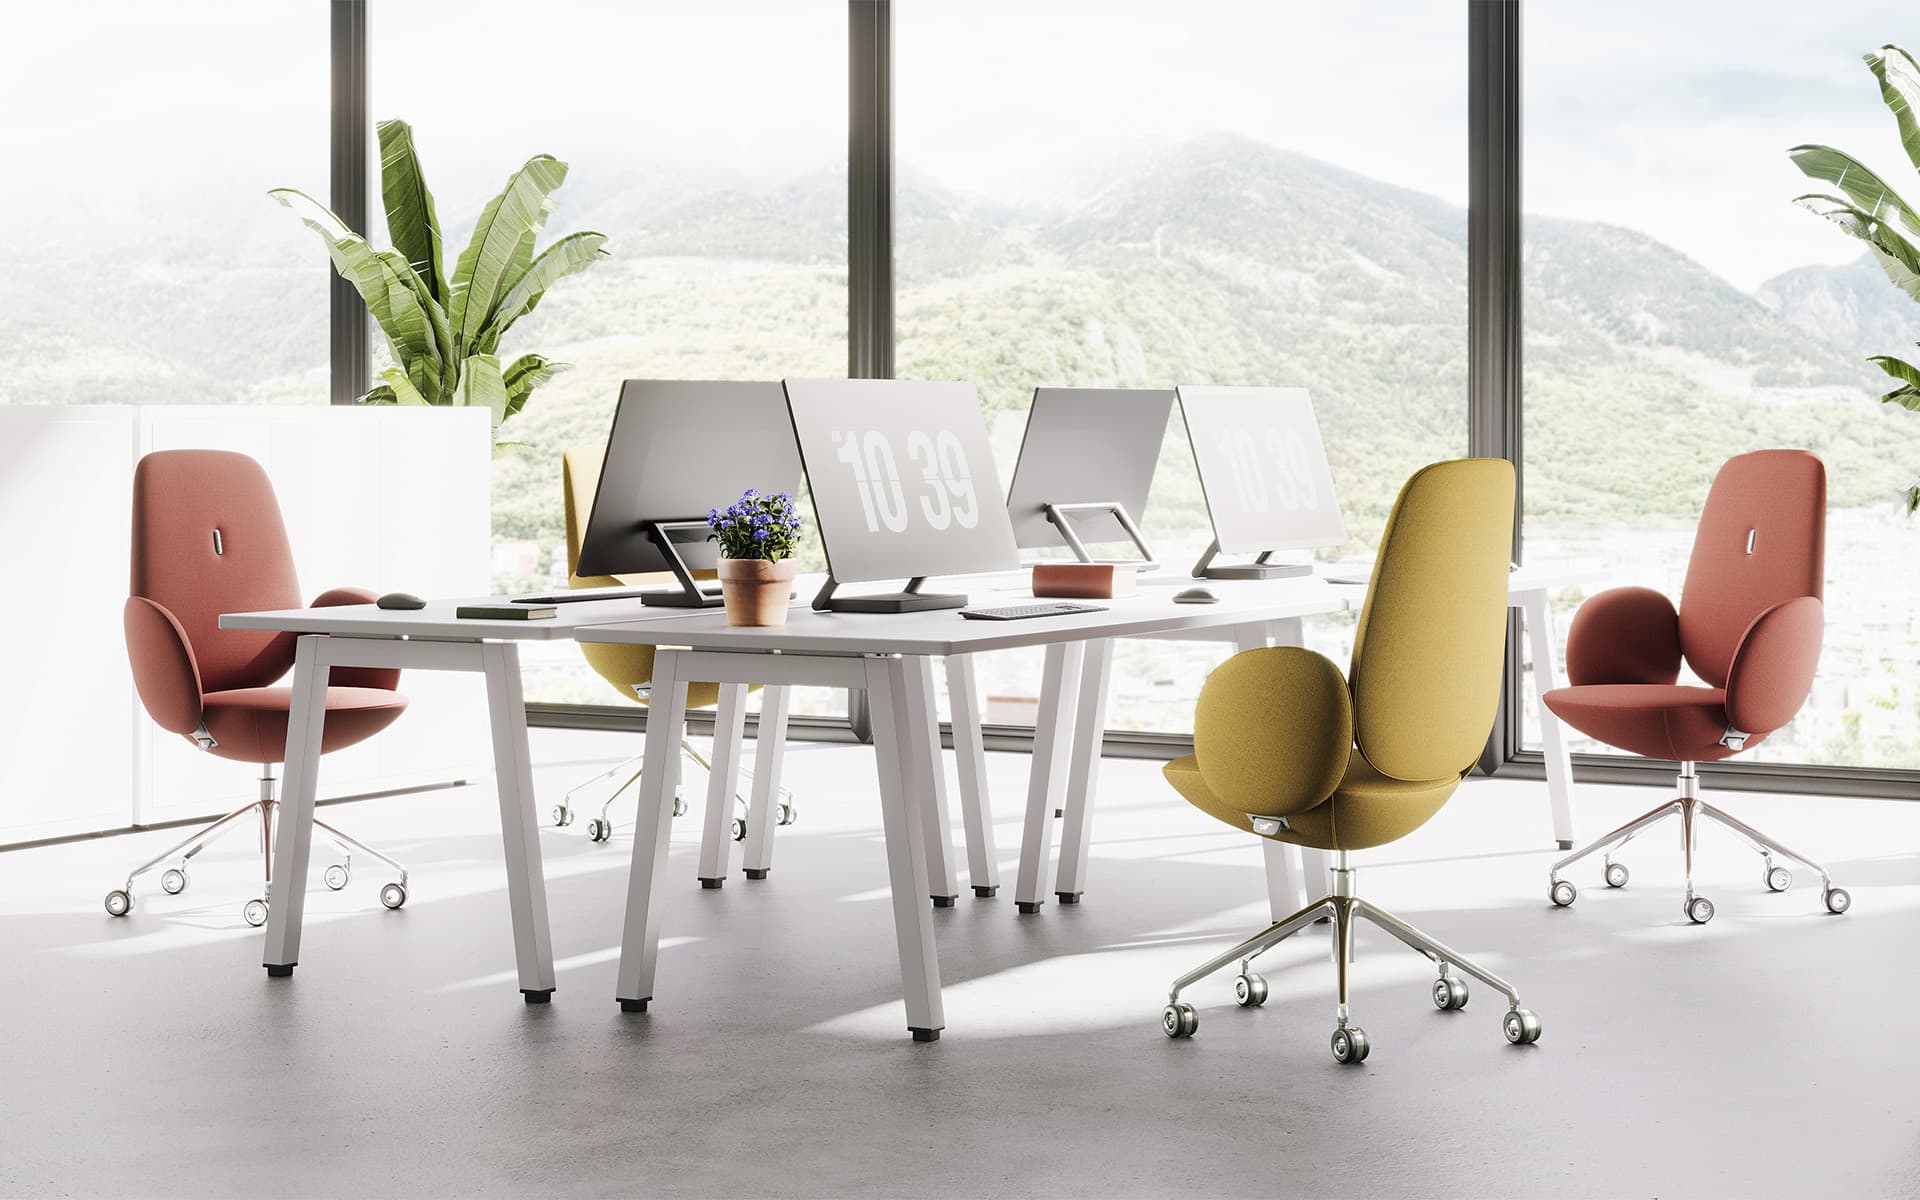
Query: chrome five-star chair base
<point x="1689" y="807"/>
<point x="1179" y="1019"/>
<point x="174" y="879"/>
<point x="600" y="829"/>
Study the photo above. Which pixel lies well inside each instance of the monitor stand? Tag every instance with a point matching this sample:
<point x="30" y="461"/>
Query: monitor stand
<point x="911" y="599"/>
<point x="690" y="594"/>
<point x="1058" y="513"/>
<point x="1259" y="568"/>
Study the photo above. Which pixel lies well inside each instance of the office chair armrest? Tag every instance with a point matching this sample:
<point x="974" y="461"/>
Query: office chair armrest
<point x="1624" y="635"/>
<point x="1772" y="670"/>
<point x="1273" y="730"/>
<point x="385" y="678"/>
<point x="164" y="670"/>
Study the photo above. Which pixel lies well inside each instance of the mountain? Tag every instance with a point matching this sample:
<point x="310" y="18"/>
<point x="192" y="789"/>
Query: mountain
<point x="1853" y="306"/>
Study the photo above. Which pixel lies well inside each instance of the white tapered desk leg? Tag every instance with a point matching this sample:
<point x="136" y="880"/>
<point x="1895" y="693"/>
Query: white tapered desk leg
<point x="769" y="756"/>
<point x="970" y="757"/>
<point x="723" y="777"/>
<point x="1083" y="770"/>
<point x="937" y="827"/>
<point x="646" y="879"/>
<point x="891" y="685"/>
<point x="519" y="824"/>
<point x="1047" y="777"/>
<point x="1286" y="866"/>
<point x="1553" y="738"/>
<point x="286" y="903"/>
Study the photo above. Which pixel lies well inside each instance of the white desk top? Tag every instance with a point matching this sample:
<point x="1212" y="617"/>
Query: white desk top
<point x="945" y="632"/>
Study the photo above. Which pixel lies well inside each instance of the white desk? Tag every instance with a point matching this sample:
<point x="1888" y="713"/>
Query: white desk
<point x="889" y="656"/>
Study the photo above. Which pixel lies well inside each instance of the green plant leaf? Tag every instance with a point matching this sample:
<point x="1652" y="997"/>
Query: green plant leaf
<point x="1912" y="498"/>
<point x="1897" y="257"/>
<point x="1859" y="184"/>
<point x="1899" y="78"/>
<point x="524" y="374"/>
<point x="401" y="386"/>
<point x="412" y="225"/>
<point x="509" y="219"/>
<point x="575" y="252"/>
<point x="379" y="394"/>
<point x="481" y="386"/>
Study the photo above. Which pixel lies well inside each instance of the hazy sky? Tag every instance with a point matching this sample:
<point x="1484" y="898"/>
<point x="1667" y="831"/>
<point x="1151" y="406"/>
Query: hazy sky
<point x="1668" y="117"/>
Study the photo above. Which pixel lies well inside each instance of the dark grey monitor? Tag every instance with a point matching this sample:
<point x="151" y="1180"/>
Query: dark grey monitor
<point x="1086" y="465"/>
<point x="1264" y="470"/>
<point x="678" y="448"/>
<point x="903" y="486"/>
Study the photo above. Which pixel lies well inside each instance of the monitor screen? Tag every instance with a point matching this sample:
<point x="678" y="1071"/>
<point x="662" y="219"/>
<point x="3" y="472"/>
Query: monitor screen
<point x="677" y="449"/>
<point x="902" y="478"/>
<point x="1263" y="468"/>
<point x="1087" y="446"/>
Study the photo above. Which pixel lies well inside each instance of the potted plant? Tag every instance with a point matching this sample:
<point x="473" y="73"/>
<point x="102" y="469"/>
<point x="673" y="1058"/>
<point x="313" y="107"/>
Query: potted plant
<point x="757" y="535"/>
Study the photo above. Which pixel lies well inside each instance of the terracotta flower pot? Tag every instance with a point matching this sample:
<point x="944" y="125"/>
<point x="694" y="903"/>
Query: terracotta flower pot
<point x="756" y="590"/>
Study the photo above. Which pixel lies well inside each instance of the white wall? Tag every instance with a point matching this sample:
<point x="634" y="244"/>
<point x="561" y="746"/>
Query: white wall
<point x="385" y="498"/>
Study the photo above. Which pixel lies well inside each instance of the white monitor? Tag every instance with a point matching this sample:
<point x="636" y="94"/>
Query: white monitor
<point x="903" y="486"/>
<point x="1086" y="464"/>
<point x="1264" y="471"/>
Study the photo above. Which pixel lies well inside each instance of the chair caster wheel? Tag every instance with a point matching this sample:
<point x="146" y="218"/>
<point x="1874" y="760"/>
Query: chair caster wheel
<point x="336" y="877"/>
<point x="393" y="895"/>
<point x="1562" y="893"/>
<point x="1617" y="875"/>
<point x="255" y="913"/>
<point x="1838" y="900"/>
<point x="1178" y="1020"/>
<point x="119" y="902"/>
<point x="562" y="816"/>
<point x="786" y="814"/>
<point x="1779" y="879"/>
<point x="1350" y="1044"/>
<point x="1449" y="992"/>
<point x="1521" y="1026"/>
<point x="173" y="881"/>
<point x="739" y="829"/>
<point x="679" y="807"/>
<point x="1250" y="990"/>
<point x="599" y="830"/>
<point x="1699" y="910"/>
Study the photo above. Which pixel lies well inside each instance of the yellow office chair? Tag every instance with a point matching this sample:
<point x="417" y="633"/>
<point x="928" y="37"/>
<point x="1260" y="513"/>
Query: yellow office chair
<point x="627" y="668"/>
<point x="1285" y="748"/>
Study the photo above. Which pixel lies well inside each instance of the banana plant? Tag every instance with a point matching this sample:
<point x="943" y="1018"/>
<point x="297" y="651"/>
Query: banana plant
<point x="1871" y="212"/>
<point x="445" y="330"/>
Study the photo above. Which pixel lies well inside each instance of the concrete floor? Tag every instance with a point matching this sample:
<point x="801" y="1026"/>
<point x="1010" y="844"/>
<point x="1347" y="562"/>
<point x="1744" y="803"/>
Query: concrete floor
<point x="1771" y="1053"/>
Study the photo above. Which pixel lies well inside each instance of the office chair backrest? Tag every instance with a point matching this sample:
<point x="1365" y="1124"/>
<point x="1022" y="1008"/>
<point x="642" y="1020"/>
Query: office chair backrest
<point x="1427" y="654"/>
<point x="1761" y="542"/>
<point x="208" y="539"/>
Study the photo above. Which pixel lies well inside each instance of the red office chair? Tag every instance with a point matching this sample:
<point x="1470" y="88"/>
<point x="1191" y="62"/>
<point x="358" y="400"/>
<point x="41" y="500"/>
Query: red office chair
<point x="1749" y="624"/>
<point x="208" y="539"/>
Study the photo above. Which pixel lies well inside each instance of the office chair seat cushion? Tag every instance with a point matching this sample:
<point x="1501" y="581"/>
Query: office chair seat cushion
<point x="1366" y="809"/>
<point x="250" y="724"/>
<point x="1670" y="721"/>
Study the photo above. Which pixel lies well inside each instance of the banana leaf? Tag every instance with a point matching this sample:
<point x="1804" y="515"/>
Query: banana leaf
<point x="517" y="213"/>
<point x="1908" y="395"/>
<point x="481" y="386"/>
<point x="1899" y="78"/>
<point x="1857" y="182"/>
<point x="524" y="374"/>
<point x="397" y="382"/>
<point x="1913" y="499"/>
<point x="575" y="252"/>
<point x="1896" y="256"/>
<point x="412" y="225"/>
<point x="379" y="393"/>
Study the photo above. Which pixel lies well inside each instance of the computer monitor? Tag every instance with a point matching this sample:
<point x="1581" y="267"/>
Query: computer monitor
<point x="903" y="487"/>
<point x="1086" y="464"/>
<point x="1264" y="471"/>
<point x="677" y="449"/>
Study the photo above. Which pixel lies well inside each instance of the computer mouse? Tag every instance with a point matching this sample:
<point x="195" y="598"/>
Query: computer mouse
<point x="400" y="600"/>
<point x="1195" y="595"/>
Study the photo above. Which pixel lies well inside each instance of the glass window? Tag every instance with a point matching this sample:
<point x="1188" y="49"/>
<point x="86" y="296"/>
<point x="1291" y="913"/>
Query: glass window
<point x="144" y="262"/>
<point x="1680" y="310"/>
<point x="1219" y="192"/>
<point x="708" y="142"/>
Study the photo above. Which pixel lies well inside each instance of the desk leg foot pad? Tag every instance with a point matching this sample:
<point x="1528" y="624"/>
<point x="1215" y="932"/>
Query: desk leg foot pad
<point x="986" y="892"/>
<point x="758" y="872"/>
<point x="1027" y="907"/>
<point x="1068" y="897"/>
<point x="280" y="970"/>
<point x="634" y="1005"/>
<point x="538" y="995"/>
<point x="944" y="901"/>
<point x="924" y="1035"/>
<point x="1565" y="844"/>
<point x="711" y="884"/>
